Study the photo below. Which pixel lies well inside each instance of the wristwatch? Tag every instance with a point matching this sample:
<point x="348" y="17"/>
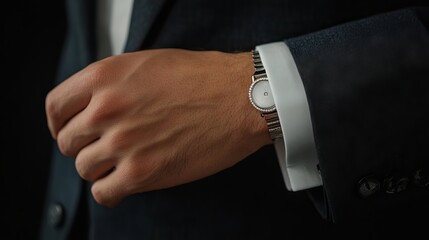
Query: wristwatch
<point x="261" y="98"/>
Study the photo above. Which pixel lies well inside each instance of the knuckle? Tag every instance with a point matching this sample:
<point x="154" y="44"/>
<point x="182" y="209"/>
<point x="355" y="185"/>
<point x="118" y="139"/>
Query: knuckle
<point x="50" y="106"/>
<point x="101" y="71"/>
<point x="105" y="108"/>
<point x="103" y="196"/>
<point x="96" y="71"/>
<point x="99" y="195"/>
<point x="98" y="114"/>
<point x="64" y="144"/>
<point x="119" y="142"/>
<point x="82" y="168"/>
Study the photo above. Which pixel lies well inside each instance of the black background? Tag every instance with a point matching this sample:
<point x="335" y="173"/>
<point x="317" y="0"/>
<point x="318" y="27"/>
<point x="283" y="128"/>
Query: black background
<point x="32" y="35"/>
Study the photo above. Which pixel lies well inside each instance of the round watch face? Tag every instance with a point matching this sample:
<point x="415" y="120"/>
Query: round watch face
<point x="261" y="96"/>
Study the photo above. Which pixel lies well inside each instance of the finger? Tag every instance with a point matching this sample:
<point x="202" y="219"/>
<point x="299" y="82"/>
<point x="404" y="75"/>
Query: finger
<point x="93" y="162"/>
<point x="78" y="132"/>
<point x="111" y="189"/>
<point x="65" y="101"/>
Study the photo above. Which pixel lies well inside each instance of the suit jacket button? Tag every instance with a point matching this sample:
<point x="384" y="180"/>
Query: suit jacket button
<point x="368" y="186"/>
<point x="56" y="215"/>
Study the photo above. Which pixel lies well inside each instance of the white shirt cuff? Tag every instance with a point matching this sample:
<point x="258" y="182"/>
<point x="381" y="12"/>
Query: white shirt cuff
<point x="296" y="152"/>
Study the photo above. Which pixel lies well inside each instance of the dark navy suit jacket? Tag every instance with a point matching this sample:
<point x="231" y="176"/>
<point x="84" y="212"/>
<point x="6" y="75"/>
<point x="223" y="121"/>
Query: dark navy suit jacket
<point x="365" y="69"/>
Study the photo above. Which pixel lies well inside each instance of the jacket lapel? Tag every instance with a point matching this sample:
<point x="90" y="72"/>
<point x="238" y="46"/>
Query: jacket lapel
<point x="143" y="16"/>
<point x="82" y="16"/>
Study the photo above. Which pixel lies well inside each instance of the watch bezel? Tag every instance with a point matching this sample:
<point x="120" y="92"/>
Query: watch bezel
<point x="263" y="110"/>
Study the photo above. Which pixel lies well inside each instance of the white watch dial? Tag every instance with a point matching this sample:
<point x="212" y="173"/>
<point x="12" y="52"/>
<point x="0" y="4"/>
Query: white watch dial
<point x="261" y="95"/>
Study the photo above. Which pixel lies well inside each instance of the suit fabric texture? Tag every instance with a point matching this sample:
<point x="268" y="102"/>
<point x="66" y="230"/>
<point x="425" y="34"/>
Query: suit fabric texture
<point x="365" y="69"/>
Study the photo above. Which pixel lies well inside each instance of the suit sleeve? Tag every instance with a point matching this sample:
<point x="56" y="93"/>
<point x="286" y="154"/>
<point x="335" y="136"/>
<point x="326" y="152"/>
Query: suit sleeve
<point x="367" y="86"/>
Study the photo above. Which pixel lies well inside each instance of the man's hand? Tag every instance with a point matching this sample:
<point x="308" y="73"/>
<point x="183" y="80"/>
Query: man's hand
<point x="155" y="119"/>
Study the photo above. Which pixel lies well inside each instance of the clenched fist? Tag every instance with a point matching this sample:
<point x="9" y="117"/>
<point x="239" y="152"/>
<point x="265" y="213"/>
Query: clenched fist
<point x="155" y="119"/>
